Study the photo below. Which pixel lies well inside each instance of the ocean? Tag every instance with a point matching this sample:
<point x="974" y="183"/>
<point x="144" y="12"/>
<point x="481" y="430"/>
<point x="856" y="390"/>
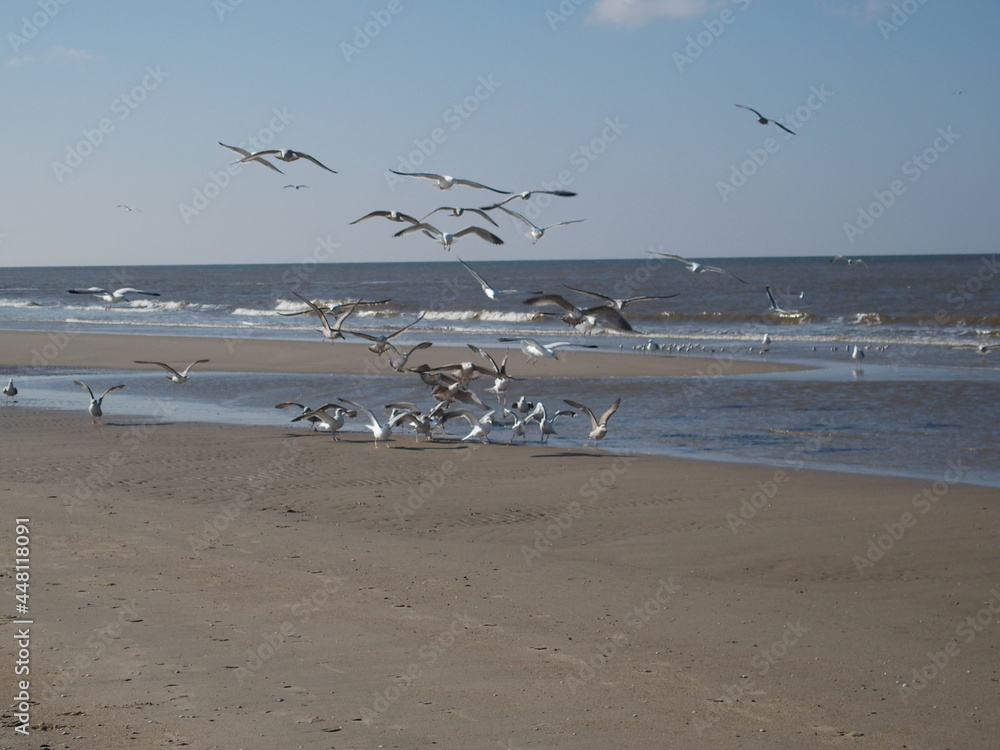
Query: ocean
<point x="924" y="398"/>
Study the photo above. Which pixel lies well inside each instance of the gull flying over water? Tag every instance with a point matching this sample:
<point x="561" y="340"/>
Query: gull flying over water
<point x="390" y="215"/>
<point x="447" y="238"/>
<point x="600" y="426"/>
<point x="850" y="261"/>
<point x="533" y="349"/>
<point x="776" y="308"/>
<point x="620" y="304"/>
<point x="399" y="359"/>
<point x="526" y="195"/>
<point x="247" y="155"/>
<point x="330" y="332"/>
<point x="95" y="403"/>
<point x="382" y="342"/>
<point x="284" y="154"/>
<point x="174" y="376"/>
<point x="588" y="318"/>
<point x="764" y="120"/>
<point x="501" y="380"/>
<point x="488" y="290"/>
<point x="112" y="298"/>
<point x="535" y="232"/>
<point x="459" y="211"/>
<point x="447" y="182"/>
<point x="696" y="267"/>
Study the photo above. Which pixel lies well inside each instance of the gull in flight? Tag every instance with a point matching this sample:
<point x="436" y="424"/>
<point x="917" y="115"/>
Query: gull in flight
<point x="447" y="182"/>
<point x="112" y="298"/>
<point x="501" y="380"/>
<point x="776" y="308"/>
<point x="546" y="425"/>
<point x="95" y="403"/>
<point x="764" y="120"/>
<point x="174" y="376"/>
<point x="284" y="154"/>
<point x="488" y="290"/>
<point x="533" y="350"/>
<point x="399" y="359"/>
<point x="247" y="155"/>
<point x="423" y="424"/>
<point x="379" y="430"/>
<point x="311" y="419"/>
<point x="10" y="391"/>
<point x="390" y="215"/>
<point x="535" y="232"/>
<point x="850" y="261"/>
<point x="447" y="238"/>
<point x="297" y="187"/>
<point x="326" y="421"/>
<point x="620" y="304"/>
<point x="330" y="332"/>
<point x="695" y="267"/>
<point x="589" y="318"/>
<point x="127" y="208"/>
<point x="459" y="211"/>
<point x="481" y="427"/>
<point x="382" y="342"/>
<point x="526" y="195"/>
<point x="600" y="426"/>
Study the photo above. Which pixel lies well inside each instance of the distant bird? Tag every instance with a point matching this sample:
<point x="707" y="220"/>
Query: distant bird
<point x="764" y="120"/>
<point x="696" y="267"/>
<point x="621" y="304"/>
<point x="382" y="342"/>
<point x="533" y="349"/>
<point x="10" y="391"/>
<point x="546" y="424"/>
<point x="850" y="261"/>
<point x="459" y="211"/>
<point x="297" y="187"/>
<point x="379" y="430"/>
<point x="284" y="154"/>
<point x="174" y="376"/>
<point x="600" y="426"/>
<point x="447" y="182"/>
<point x="112" y="298"/>
<point x="390" y="215"/>
<point x="399" y="359"/>
<point x="766" y="341"/>
<point x="447" y="238"/>
<point x="327" y="418"/>
<point x="247" y="155"/>
<point x="588" y="318"/>
<point x="488" y="290"/>
<point x="95" y="403"/>
<point x="536" y="232"/>
<point x="127" y="208"/>
<point x="526" y="195"/>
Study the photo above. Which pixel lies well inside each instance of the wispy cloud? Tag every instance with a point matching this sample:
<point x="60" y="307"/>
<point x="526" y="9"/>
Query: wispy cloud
<point x="19" y="62"/>
<point x="860" y="11"/>
<point x="56" y="56"/>
<point x="634" y="13"/>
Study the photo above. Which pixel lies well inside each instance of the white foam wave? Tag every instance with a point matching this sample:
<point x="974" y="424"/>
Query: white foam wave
<point x="498" y="316"/>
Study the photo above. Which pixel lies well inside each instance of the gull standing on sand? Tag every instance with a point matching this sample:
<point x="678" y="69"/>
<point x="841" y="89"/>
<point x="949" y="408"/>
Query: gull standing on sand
<point x="600" y="426"/>
<point x="546" y="425"/>
<point x="518" y="427"/>
<point x="95" y="403"/>
<point x="696" y="267"/>
<point x="535" y="232"/>
<point x="174" y="376"/>
<point x="481" y="427"/>
<point x="10" y="391"/>
<point x="446" y="182"/>
<point x="533" y="349"/>
<point x="379" y="430"/>
<point x="112" y="298"/>
<point x="764" y="120"/>
<point x="324" y="421"/>
<point x="448" y="238"/>
<point x="246" y="154"/>
<point x="311" y="419"/>
<point x="284" y="154"/>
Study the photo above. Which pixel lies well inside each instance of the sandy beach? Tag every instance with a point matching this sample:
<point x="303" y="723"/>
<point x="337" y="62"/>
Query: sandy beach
<point x="213" y="586"/>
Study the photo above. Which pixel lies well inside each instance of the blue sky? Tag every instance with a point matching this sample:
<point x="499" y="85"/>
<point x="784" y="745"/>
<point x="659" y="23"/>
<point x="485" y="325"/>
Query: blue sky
<point x="627" y="102"/>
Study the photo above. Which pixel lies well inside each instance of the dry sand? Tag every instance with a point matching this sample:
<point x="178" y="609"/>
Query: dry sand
<point x="212" y="586"/>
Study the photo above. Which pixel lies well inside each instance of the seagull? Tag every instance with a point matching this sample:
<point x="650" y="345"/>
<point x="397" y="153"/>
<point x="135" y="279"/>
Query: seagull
<point x="695" y="267"/>
<point x="532" y="349"/>
<point x="858" y="354"/>
<point x="447" y="182"/>
<point x="390" y="215"/>
<point x="382" y="342"/>
<point x="323" y="420"/>
<point x="423" y="424"/>
<point x="112" y="298"/>
<point x="600" y="426"/>
<point x="535" y="232"/>
<point x="546" y="426"/>
<point x="459" y="211"/>
<point x="10" y="391"/>
<point x="501" y="380"/>
<point x="379" y="430"/>
<point x="526" y="195"/>
<point x="488" y="290"/>
<point x="766" y="341"/>
<point x="588" y="318"/>
<point x="127" y="208"/>
<point x="246" y="154"/>
<point x="297" y="187"/>
<point x="481" y="427"/>
<point x="330" y="332"/>
<point x="775" y="308"/>
<point x="174" y="376"/>
<point x="284" y="154"/>
<point x="312" y="419"/>
<point x="517" y="428"/>
<point x="95" y="403"/>
<point x="398" y="362"/>
<point x="447" y="238"/>
<point x="850" y="261"/>
<point x="523" y="405"/>
<point x="620" y="304"/>
<point x="763" y="120"/>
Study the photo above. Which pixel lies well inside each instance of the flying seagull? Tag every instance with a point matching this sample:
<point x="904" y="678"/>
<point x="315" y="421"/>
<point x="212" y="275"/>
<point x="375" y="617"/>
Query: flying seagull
<point x="546" y="424"/>
<point x="284" y="154"/>
<point x="174" y="376"/>
<point x="379" y="430"/>
<point x="127" y="208"/>
<point x="501" y="380"/>
<point x="535" y="232"/>
<point x="776" y="308"/>
<point x="589" y="317"/>
<point x="526" y="195"/>
<point x="447" y="238"/>
<point x="399" y="359"/>
<point x="763" y="120"/>
<point x="390" y="215"/>
<point x="850" y="261"/>
<point x="382" y="342"/>
<point x="112" y="298"/>
<point x="620" y="304"/>
<point x="95" y="403"/>
<point x="246" y="154"/>
<point x="695" y="267"/>
<point x="488" y="290"/>
<point x="459" y="211"/>
<point x="600" y="426"/>
<point x="323" y="419"/>
<point x="297" y="187"/>
<point x="533" y="349"/>
<point x="330" y="332"/>
<point x="447" y="182"/>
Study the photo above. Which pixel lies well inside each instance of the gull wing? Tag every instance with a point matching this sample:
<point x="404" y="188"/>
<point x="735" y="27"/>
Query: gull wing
<point x="484" y="233"/>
